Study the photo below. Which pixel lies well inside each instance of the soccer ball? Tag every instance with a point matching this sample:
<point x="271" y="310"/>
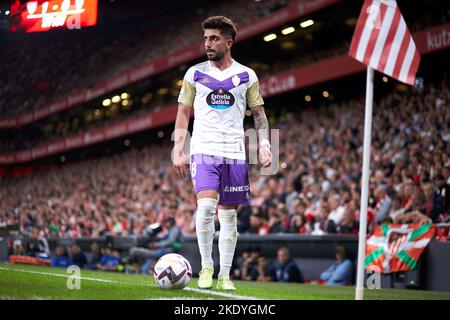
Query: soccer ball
<point x="172" y="271"/>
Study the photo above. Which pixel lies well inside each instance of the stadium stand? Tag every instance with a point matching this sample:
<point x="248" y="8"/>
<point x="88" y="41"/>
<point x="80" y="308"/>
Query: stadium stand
<point x="316" y="190"/>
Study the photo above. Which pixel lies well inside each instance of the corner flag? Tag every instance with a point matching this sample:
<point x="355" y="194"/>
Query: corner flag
<point x="382" y="41"/>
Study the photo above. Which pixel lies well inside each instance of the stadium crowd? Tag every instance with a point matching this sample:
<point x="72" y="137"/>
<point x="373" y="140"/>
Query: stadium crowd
<point x="315" y="192"/>
<point x="321" y="151"/>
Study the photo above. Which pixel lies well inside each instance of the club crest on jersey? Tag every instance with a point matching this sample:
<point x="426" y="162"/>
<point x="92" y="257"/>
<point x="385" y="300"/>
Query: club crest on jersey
<point x="236" y="80"/>
<point x="220" y="99"/>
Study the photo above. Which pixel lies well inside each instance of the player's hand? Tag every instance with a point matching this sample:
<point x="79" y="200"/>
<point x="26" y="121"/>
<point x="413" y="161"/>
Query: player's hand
<point x="265" y="155"/>
<point x="154" y="245"/>
<point x="179" y="162"/>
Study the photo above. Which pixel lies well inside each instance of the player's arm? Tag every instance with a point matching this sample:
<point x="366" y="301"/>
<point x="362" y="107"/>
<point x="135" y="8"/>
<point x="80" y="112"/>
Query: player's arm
<point x="185" y="103"/>
<point x="255" y="103"/>
<point x="261" y="123"/>
<point x="181" y="126"/>
<point x="262" y="129"/>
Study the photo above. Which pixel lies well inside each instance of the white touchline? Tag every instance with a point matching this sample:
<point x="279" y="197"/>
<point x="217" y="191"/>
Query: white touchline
<point x="222" y="294"/>
<point x="202" y="291"/>
<point x="19" y="298"/>
<point x="57" y="275"/>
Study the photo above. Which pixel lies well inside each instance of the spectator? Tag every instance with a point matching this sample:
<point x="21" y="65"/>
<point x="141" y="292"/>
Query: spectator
<point x="383" y="203"/>
<point x="249" y="264"/>
<point x="324" y="224"/>
<point x="276" y="222"/>
<point x="38" y="245"/>
<point x="339" y="273"/>
<point x="238" y="262"/>
<point x="297" y="221"/>
<point x="243" y="223"/>
<point x="349" y="224"/>
<point x="18" y="249"/>
<point x="258" y="225"/>
<point x="433" y="202"/>
<point x="443" y="190"/>
<point x="94" y="256"/>
<point x="61" y="259"/>
<point x="110" y="260"/>
<point x="168" y="244"/>
<point x="77" y="257"/>
<point x="284" y="269"/>
<point x="262" y="270"/>
<point x="396" y="208"/>
<point x="416" y="202"/>
<point x="407" y="193"/>
<point x="291" y="195"/>
<point x="336" y="209"/>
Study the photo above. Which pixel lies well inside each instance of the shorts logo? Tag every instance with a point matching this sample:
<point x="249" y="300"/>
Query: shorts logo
<point x="237" y="188"/>
<point x="220" y="99"/>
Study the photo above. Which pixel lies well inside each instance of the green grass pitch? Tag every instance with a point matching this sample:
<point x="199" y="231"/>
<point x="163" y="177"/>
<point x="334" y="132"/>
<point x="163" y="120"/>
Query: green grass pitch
<point x="35" y="282"/>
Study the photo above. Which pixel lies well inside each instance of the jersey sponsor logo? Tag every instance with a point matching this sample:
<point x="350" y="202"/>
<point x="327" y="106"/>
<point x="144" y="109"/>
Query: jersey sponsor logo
<point x="245" y="188"/>
<point x="220" y="99"/>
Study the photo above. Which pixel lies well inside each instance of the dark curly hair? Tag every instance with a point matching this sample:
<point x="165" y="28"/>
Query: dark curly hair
<point x="224" y="24"/>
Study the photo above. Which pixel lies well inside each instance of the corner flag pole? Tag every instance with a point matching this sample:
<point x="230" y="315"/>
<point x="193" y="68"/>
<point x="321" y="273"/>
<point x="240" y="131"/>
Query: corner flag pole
<point x="359" y="294"/>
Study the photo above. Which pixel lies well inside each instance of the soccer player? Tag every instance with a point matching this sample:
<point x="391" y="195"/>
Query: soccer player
<point x="219" y="90"/>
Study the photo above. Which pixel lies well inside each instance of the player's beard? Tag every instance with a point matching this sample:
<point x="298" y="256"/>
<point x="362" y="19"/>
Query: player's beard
<point x="217" y="57"/>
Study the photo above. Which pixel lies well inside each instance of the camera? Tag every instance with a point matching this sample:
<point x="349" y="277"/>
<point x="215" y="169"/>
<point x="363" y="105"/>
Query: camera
<point x="152" y="230"/>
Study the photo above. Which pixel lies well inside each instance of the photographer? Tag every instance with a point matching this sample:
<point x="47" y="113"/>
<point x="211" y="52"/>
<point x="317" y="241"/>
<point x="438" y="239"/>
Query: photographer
<point x="37" y="245"/>
<point x="169" y="244"/>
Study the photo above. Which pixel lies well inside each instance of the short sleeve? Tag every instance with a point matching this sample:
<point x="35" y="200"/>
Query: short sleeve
<point x="187" y="91"/>
<point x="254" y="97"/>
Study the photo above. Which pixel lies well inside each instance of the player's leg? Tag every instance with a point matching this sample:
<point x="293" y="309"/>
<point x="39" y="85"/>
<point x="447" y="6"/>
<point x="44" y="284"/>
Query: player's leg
<point x="234" y="191"/>
<point x="227" y="244"/>
<point x="204" y="225"/>
<point x="205" y="178"/>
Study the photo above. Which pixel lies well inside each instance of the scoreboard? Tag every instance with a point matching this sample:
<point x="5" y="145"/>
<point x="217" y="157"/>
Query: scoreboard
<point x="44" y="15"/>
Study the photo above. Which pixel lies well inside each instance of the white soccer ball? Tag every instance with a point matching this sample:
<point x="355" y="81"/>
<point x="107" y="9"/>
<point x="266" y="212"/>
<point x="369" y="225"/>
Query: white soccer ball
<point x="172" y="271"/>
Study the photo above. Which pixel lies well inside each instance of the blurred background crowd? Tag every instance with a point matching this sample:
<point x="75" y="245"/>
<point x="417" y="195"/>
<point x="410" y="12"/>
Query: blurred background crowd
<point x="316" y="190"/>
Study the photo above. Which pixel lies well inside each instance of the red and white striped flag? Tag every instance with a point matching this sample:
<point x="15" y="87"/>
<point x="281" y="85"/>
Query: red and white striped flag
<point x="383" y="41"/>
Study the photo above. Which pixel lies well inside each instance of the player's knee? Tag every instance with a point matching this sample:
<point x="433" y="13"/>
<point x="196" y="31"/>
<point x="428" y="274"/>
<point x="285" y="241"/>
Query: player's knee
<point x="227" y="215"/>
<point x="206" y="207"/>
